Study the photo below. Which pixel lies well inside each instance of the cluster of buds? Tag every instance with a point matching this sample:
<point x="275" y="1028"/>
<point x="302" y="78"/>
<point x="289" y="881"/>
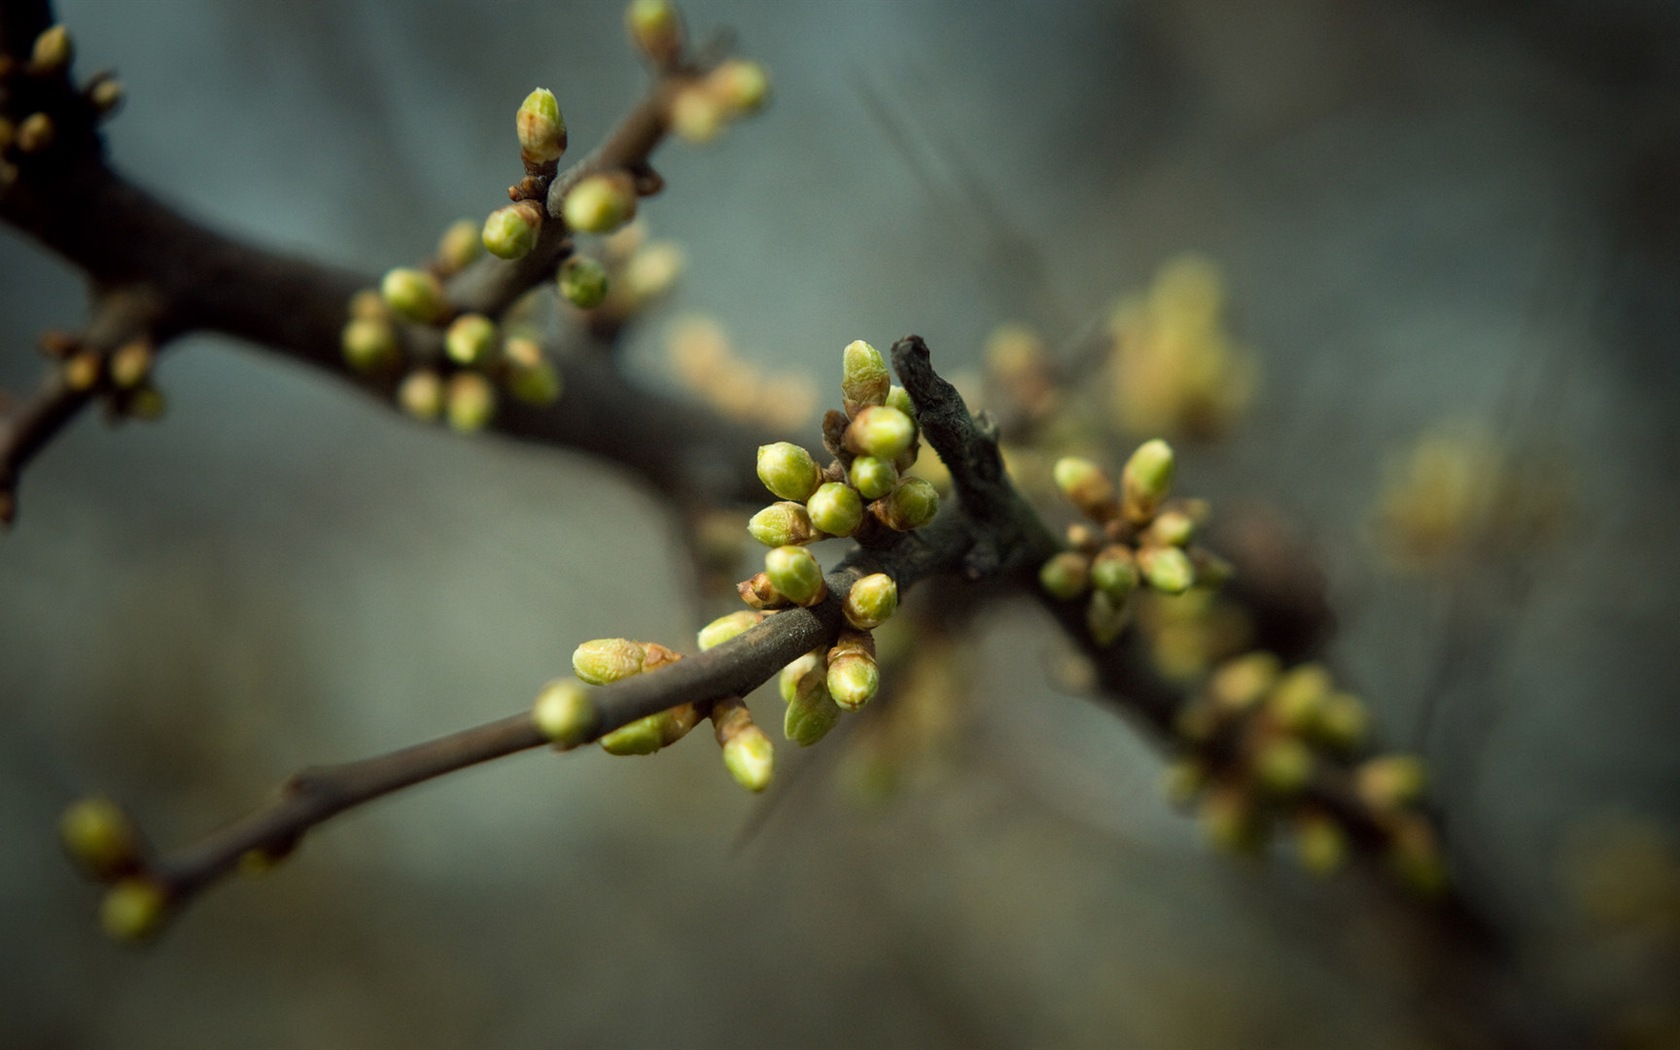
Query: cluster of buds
<point x="121" y="376"/>
<point x="565" y="713"/>
<point x="1264" y="747"/>
<point x="706" y="362"/>
<point x="703" y="104"/>
<point x="1136" y="537"/>
<point x="49" y="108"/>
<point x="1175" y="367"/>
<point x="102" y="841"/>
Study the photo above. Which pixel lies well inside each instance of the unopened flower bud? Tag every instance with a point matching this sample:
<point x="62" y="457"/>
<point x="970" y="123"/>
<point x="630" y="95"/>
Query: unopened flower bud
<point x="511" y="232"/>
<point x="105" y="95"/>
<point x="1087" y="487"/>
<point x="470" y="339"/>
<point x="1341" y="721"/>
<point x="413" y="294"/>
<point x="542" y="130"/>
<point x="100" y="838"/>
<point x="853" y="679"/>
<point x="1146" y="480"/>
<point x="864" y="378"/>
<point x="728" y="626"/>
<point x="741" y="85"/>
<point x="1168" y="569"/>
<point x="369" y="344"/>
<point x="35" y="133"/>
<point x="697" y="115"/>
<point x="750" y="758"/>
<point x="899" y="398"/>
<point x="785" y="524"/>
<point x="583" y="282"/>
<point x="564" y="713"/>
<point x="82" y="370"/>
<point x="1299" y="695"/>
<point x="652" y="270"/>
<point x="459" y="246"/>
<point x="871" y="601"/>
<point x="1283" y="765"/>
<point x="811" y="712"/>
<point x="131" y="362"/>
<point x="52" y="51"/>
<point x="912" y="503"/>
<point x="788" y="471"/>
<point x="802" y="675"/>
<point x="471" y="402"/>
<point x="795" y="574"/>
<point x="835" y="508"/>
<point x="644" y="736"/>
<point x="1320" y="843"/>
<point x="604" y="660"/>
<point x="1390" y="782"/>
<point x="133" y="910"/>
<point x="421" y="395"/>
<point x="656" y="29"/>
<point x="1065" y="575"/>
<point x="1171" y="528"/>
<point x="1114" y="572"/>
<point x="880" y="431"/>
<point x="872" y="477"/>
<point x="600" y="203"/>
<point x="1106" y="618"/>
<point x="1240" y="683"/>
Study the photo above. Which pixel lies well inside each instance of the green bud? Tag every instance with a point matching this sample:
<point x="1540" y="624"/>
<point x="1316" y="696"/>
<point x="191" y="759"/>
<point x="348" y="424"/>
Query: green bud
<point x="106" y="94"/>
<point x="605" y="660"/>
<point x="784" y="524"/>
<point x="133" y="910"/>
<point x="471" y="402"/>
<point x="1298" y="697"/>
<point x="1106" y="618"/>
<point x="912" y="503"/>
<point x="1114" y="572"/>
<point x="1168" y="569"/>
<point x="413" y="294"/>
<point x="697" y="115"/>
<point x="796" y="575"/>
<point x="853" y="678"/>
<point x="801" y="676"/>
<point x="644" y="736"/>
<point x="656" y="29"/>
<point x="750" y="758"/>
<point x="1172" y="528"/>
<point x="728" y="626"/>
<point x="788" y="471"/>
<point x="583" y="282"/>
<point x="864" y="377"/>
<point x="835" y="508"/>
<point x="899" y="398"/>
<point x="1390" y="782"/>
<point x="872" y="477"/>
<point x="1320" y="843"/>
<point x="600" y="203"/>
<point x="511" y="232"/>
<point x="369" y="344"/>
<point x="537" y="384"/>
<point x="1283" y="765"/>
<point x="421" y="395"/>
<point x="563" y="712"/>
<point x="810" y="714"/>
<point x="459" y="246"/>
<point x="880" y="431"/>
<point x="52" y="51"/>
<point x="1087" y="487"/>
<point x="541" y="128"/>
<point x="741" y="85"/>
<point x="471" y="340"/>
<point x="1065" y="575"/>
<point x="1240" y="683"/>
<point x="35" y="133"/>
<point x="100" y="838"/>
<point x="1341" y="721"/>
<point x="871" y="601"/>
<point x="1146" y="480"/>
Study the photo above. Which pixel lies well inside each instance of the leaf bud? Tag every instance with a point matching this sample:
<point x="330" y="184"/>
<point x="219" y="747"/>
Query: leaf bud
<point x="656" y="29"/>
<point x="541" y="128"/>
<point x="872" y="477"/>
<point x="1146" y="480"/>
<point x="421" y="394"/>
<point x="871" y="601"/>
<point x="100" y="838"/>
<point x="750" y="758"/>
<point x="1283" y="765"/>
<point x="583" y="282"/>
<point x="471" y="402"/>
<point x="1086" y="486"/>
<point x="1390" y="782"/>
<point x="1106" y="618"/>
<point x="413" y="294"/>
<point x="788" y="471"/>
<point x="1065" y="575"/>
<point x="459" y="246"/>
<point x="564" y="713"/>
<point x="880" y="431"/>
<point x="795" y="574"/>
<point x="470" y="340"/>
<point x="52" y="51"/>
<point x="133" y="910"/>
<point x="1168" y="569"/>
<point x="511" y="232"/>
<point x="728" y="626"/>
<point x="785" y="524"/>
<point x="605" y="660"/>
<point x="864" y="377"/>
<point x="741" y="85"/>
<point x="912" y="503"/>
<point x="600" y="203"/>
<point x="1114" y="572"/>
<point x="1320" y="843"/>
<point x="835" y="508"/>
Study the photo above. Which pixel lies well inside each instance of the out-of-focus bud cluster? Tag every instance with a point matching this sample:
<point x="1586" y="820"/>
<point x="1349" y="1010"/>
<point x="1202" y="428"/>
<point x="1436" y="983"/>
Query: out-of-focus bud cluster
<point x="45" y="108"/>
<point x="1456" y="497"/>
<point x="1175" y="369"/>
<point x="102" y="841"/>
<point x="121" y="376"/>
<point x="1266" y="749"/>
<point x="707" y="364"/>
<point x="703" y="108"/>
<point x="1137" y="538"/>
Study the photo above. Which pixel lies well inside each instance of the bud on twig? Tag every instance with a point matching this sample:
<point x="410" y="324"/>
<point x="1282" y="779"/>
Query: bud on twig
<point x="600" y="203"/>
<point x="795" y="574"/>
<point x="413" y="294"/>
<point x="872" y="477"/>
<point x="1065" y="575"/>
<point x="133" y="910"/>
<point x="747" y="752"/>
<point x="728" y="626"/>
<point x="656" y="30"/>
<point x="52" y="51"/>
<point x="470" y="340"/>
<point x="1146" y="481"/>
<point x="460" y="244"/>
<point x="583" y="282"/>
<point x="511" y="232"/>
<point x="100" y="838"/>
<point x="880" y="431"/>
<point x="421" y="395"/>
<point x="471" y="402"/>
<point x="563" y="712"/>
<point x="871" y="601"/>
<point x="785" y="524"/>
<point x="369" y="344"/>
<point x="542" y="130"/>
<point x="644" y="736"/>
<point x="864" y="377"/>
<point x="1167" y="569"/>
<point x="741" y="85"/>
<point x="605" y="660"/>
<point x="912" y="503"/>
<point x="788" y="471"/>
<point x="835" y="508"/>
<point x="1087" y="487"/>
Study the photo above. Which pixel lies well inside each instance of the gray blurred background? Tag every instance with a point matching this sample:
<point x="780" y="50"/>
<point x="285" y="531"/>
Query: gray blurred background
<point x="1424" y="210"/>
